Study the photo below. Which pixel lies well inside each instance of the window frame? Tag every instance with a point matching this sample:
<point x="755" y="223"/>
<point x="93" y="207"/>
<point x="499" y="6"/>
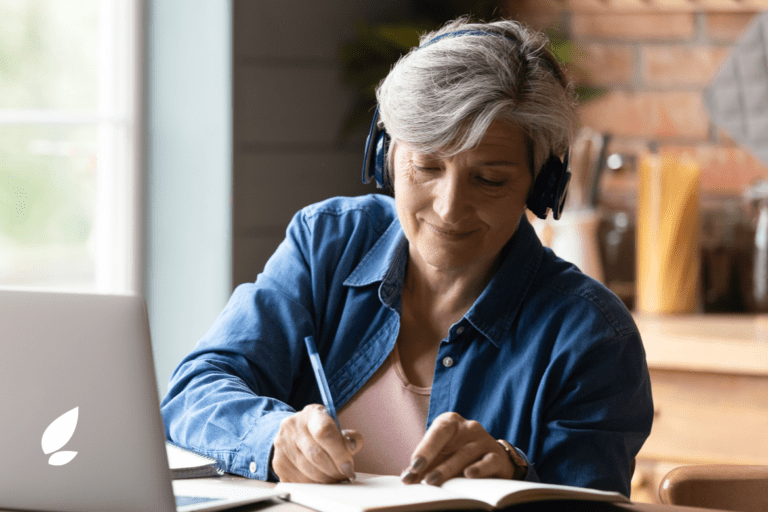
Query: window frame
<point x="118" y="209"/>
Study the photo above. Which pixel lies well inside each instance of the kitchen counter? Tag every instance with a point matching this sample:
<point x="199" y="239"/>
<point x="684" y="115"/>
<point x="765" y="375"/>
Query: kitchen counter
<point x="709" y="375"/>
<point x="734" y="344"/>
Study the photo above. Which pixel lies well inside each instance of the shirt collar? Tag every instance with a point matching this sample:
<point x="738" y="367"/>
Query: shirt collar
<point x="494" y="311"/>
<point x="383" y="260"/>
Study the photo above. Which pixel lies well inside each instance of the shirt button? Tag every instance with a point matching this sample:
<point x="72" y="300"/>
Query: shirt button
<point x="447" y="362"/>
<point x="252" y="467"/>
<point x="460" y="330"/>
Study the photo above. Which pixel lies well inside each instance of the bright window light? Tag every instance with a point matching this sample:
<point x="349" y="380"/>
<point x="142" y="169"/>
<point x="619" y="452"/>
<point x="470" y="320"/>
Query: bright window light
<point x="70" y="186"/>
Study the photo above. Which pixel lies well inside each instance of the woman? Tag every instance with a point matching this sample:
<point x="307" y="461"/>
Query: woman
<point x="453" y="342"/>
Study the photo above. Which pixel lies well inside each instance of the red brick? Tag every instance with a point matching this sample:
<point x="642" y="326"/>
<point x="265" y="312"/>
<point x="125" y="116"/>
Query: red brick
<point x="681" y="65"/>
<point x="728" y="26"/>
<point x="603" y="64"/>
<point x="651" y="115"/>
<point x="651" y="26"/>
<point x="625" y="6"/>
<point x="724" y="169"/>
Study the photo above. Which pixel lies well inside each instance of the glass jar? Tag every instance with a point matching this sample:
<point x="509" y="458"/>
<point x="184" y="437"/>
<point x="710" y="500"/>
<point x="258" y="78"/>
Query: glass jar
<point x="616" y="236"/>
<point x="726" y="247"/>
<point x="756" y="280"/>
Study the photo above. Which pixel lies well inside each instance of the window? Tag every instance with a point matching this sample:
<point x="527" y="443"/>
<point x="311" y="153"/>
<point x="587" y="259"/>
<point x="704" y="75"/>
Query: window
<point x="70" y="185"/>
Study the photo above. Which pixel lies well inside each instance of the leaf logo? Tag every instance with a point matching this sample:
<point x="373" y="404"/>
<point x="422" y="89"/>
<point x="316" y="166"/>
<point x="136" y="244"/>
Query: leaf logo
<point x="58" y="433"/>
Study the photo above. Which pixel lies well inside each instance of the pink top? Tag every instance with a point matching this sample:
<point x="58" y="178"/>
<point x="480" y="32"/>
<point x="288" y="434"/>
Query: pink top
<point x="391" y="415"/>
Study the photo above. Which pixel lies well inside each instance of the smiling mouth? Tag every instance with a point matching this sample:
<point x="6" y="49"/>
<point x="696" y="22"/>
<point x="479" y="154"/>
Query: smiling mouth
<point x="452" y="235"/>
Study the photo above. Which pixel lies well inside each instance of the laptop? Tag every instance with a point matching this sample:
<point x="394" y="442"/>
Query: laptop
<point x="80" y="423"/>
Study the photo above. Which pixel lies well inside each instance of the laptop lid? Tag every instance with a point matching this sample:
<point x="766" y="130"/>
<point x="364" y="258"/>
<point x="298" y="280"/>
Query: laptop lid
<point x="88" y="357"/>
<point x="80" y="423"/>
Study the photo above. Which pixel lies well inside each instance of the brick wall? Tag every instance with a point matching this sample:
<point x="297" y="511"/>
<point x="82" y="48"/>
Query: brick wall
<point x="653" y="58"/>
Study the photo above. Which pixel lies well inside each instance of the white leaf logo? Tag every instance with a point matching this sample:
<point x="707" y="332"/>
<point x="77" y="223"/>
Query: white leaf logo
<point x="61" y="458"/>
<point x="58" y="433"/>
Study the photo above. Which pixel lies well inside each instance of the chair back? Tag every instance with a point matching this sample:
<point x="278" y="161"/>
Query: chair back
<point x="719" y="486"/>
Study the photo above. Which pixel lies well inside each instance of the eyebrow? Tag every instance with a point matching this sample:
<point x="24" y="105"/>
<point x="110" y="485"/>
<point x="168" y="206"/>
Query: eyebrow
<point x="498" y="163"/>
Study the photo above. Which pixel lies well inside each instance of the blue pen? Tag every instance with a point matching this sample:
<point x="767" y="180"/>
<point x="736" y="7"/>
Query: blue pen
<point x="322" y="383"/>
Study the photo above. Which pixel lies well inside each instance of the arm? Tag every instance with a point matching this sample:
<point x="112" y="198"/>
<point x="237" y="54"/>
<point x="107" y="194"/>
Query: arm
<point x="598" y="416"/>
<point x="228" y="397"/>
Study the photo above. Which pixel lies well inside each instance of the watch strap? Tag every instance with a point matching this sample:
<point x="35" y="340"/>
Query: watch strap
<point x="520" y="464"/>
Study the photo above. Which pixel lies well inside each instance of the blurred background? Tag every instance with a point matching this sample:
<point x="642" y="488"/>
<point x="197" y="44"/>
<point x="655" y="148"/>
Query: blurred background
<point x="161" y="147"/>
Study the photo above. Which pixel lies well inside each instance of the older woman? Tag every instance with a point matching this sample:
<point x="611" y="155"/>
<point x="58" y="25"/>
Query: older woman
<point x="454" y="343"/>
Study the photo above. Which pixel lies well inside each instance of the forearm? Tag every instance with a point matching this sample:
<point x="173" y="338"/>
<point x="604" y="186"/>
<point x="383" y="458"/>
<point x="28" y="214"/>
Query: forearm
<point x="215" y="413"/>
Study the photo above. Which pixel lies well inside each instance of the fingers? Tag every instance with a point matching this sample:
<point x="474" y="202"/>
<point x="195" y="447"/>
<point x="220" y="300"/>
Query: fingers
<point x="428" y="452"/>
<point x="455" y="464"/>
<point x="326" y="448"/>
<point x="454" y="446"/>
<point x="290" y="473"/>
<point x="309" y="448"/>
<point x="492" y="465"/>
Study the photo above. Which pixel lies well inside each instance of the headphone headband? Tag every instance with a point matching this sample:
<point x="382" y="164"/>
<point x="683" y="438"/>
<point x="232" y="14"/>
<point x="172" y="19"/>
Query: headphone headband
<point x="462" y="33"/>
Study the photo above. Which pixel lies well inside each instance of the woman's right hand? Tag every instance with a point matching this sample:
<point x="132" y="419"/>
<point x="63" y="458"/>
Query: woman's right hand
<point x="309" y="448"/>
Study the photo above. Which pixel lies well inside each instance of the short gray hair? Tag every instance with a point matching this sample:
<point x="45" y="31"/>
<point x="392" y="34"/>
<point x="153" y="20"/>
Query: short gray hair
<point x="440" y="98"/>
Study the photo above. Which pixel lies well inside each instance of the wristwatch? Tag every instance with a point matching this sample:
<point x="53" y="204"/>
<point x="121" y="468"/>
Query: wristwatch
<point x="520" y="464"/>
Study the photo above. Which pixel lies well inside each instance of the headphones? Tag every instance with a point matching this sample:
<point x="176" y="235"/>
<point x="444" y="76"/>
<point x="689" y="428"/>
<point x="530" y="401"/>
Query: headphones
<point x="549" y="190"/>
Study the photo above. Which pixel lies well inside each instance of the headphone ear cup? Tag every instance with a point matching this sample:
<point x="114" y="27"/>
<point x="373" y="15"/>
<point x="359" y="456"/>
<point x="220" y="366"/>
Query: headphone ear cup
<point x="374" y="159"/>
<point x="382" y="147"/>
<point x="550" y="188"/>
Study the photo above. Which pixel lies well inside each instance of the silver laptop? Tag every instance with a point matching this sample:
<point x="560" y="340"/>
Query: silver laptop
<point x="80" y="424"/>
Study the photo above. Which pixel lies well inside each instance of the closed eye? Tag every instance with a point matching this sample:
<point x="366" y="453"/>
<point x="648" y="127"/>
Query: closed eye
<point x="490" y="183"/>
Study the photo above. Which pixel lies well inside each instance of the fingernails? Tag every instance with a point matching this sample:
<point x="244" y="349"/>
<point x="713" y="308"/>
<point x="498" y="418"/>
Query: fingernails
<point x="346" y="468"/>
<point x="433" y="478"/>
<point x="471" y="473"/>
<point x="417" y="464"/>
<point x="351" y="443"/>
<point x="407" y="477"/>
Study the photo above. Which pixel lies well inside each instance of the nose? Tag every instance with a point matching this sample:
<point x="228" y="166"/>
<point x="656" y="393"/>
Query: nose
<point x="451" y="201"/>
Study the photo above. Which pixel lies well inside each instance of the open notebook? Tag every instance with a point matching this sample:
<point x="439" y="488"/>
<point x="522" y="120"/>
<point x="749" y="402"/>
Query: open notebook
<point x="373" y="493"/>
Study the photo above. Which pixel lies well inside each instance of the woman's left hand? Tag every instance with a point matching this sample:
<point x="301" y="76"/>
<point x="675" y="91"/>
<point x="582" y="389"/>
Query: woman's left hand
<point x="454" y="446"/>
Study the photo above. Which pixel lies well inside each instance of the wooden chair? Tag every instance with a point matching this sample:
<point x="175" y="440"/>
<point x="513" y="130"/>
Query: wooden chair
<point x="720" y="486"/>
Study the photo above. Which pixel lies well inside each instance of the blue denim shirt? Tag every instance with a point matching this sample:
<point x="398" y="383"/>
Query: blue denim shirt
<point x="546" y="358"/>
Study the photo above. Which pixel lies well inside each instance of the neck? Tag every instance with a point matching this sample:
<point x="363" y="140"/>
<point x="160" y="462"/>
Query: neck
<point x="450" y="292"/>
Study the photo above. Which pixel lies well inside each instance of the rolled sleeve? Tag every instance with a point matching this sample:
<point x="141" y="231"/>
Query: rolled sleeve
<point x="252" y="458"/>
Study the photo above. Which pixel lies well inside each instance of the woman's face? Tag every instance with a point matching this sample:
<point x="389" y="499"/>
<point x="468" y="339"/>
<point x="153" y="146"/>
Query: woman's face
<point x="458" y="212"/>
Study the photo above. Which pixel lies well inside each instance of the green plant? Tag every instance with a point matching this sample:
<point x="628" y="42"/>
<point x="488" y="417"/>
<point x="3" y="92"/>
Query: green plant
<point x="367" y="58"/>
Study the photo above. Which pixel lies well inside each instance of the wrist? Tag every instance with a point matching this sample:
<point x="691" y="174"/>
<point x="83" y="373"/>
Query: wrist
<point x="519" y="463"/>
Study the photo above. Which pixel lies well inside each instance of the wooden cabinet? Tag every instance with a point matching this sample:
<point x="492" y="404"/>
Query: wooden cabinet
<point x="710" y="387"/>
